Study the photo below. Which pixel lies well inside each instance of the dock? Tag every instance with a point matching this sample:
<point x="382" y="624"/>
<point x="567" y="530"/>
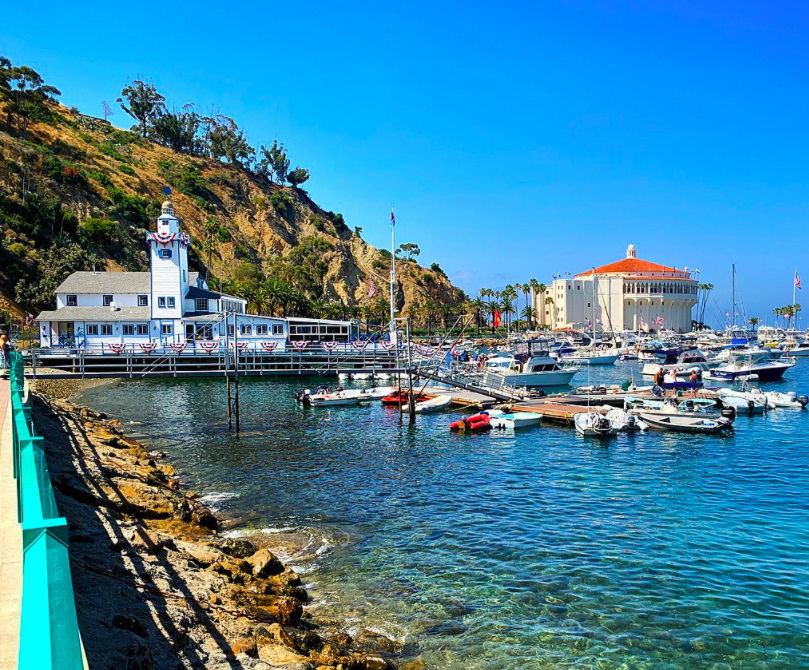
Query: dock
<point x="463" y="398"/>
<point x="551" y="411"/>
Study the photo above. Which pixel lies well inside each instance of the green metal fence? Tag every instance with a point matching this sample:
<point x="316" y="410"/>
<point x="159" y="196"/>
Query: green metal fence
<point x="49" y="630"/>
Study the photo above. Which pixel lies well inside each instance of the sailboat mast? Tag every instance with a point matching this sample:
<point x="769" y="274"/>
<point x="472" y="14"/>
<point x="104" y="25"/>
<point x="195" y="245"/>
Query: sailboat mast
<point x="595" y="297"/>
<point x="733" y="291"/>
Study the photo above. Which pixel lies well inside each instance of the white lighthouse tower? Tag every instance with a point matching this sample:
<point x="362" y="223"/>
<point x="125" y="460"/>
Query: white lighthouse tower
<point x="169" y="261"/>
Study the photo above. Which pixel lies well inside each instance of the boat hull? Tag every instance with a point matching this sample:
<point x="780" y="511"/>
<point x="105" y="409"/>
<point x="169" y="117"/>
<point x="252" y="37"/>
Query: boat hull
<point x="540" y="379"/>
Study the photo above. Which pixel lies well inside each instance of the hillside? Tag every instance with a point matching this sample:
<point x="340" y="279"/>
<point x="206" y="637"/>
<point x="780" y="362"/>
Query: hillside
<point x="77" y="193"/>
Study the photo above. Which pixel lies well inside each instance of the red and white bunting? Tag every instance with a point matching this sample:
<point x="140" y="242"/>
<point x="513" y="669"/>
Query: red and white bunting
<point x="177" y="347"/>
<point x="167" y="238"/>
<point x="269" y="346"/>
<point x="359" y="345"/>
<point x="116" y="348"/>
<point x="147" y="347"/>
<point x="300" y="345"/>
<point x="329" y="346"/>
<point x="387" y="345"/>
<point x="242" y="345"/>
<point x="209" y="347"/>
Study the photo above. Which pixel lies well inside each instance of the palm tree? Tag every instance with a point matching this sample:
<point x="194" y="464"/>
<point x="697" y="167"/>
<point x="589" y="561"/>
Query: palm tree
<point x="549" y="301"/>
<point x="478" y="305"/>
<point x="507" y="303"/>
<point x="753" y="321"/>
<point x="530" y="313"/>
<point x="703" y="299"/>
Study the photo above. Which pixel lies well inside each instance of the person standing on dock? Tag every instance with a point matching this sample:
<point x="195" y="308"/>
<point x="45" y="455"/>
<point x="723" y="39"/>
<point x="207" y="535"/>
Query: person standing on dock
<point x="659" y="377"/>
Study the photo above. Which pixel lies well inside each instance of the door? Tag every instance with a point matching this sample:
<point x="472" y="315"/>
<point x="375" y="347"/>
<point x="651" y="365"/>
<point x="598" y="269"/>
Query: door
<point x="189" y="332"/>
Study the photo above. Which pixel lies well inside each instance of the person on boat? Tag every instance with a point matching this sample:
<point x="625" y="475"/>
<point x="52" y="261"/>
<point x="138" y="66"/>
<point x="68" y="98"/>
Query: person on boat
<point x="659" y="377"/>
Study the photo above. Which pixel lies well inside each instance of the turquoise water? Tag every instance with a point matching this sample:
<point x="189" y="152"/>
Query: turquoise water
<point x="540" y="550"/>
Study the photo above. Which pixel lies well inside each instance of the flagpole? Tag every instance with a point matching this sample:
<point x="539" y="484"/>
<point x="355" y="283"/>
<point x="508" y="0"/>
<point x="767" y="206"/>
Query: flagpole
<point x="392" y="276"/>
<point x="794" y="286"/>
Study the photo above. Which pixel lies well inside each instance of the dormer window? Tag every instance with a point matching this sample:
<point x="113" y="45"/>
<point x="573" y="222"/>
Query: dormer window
<point x="201" y="304"/>
<point x="72" y="300"/>
<point x="143" y="301"/>
<point x="107" y="300"/>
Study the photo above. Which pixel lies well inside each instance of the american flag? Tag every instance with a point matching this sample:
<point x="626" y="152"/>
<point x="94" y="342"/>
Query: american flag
<point x="392" y="218"/>
<point x="372" y="289"/>
<point x="797" y="280"/>
<point x="659" y="321"/>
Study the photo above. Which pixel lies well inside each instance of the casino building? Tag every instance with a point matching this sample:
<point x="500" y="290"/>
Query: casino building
<point x="629" y="294"/>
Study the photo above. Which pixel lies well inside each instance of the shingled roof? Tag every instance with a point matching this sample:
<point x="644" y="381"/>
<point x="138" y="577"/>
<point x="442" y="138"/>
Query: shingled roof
<point x="112" y="282"/>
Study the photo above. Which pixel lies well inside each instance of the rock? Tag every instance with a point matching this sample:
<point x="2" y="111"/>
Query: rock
<point x="206" y="519"/>
<point x="276" y="654"/>
<point x="142" y="541"/>
<point x="245" y="645"/>
<point x="275" y="633"/>
<point x="203" y="554"/>
<point x="215" y="599"/>
<point x="376" y="663"/>
<point x="167" y="470"/>
<point x="237" y="547"/>
<point x="266" y="564"/>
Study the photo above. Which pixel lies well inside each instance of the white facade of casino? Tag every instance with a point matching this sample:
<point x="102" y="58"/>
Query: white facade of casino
<point x="632" y="294"/>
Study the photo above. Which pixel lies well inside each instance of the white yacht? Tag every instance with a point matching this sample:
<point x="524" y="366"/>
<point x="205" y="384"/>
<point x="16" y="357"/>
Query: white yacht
<point x="530" y="371"/>
<point x="684" y="363"/>
<point x="592" y="357"/>
<point x="758" y="363"/>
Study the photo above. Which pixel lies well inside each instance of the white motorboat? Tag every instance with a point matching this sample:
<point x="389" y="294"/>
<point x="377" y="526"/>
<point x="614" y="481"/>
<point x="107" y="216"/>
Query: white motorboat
<point x="790" y="399"/>
<point x="512" y="421"/>
<point x="743" y="401"/>
<point x="440" y="402"/>
<point x="531" y="371"/>
<point x="627" y="421"/>
<point x="684" y="364"/>
<point x="360" y="376"/>
<point x="336" y="399"/>
<point x="686" y="424"/>
<point x="591" y="357"/>
<point x="759" y="363"/>
<point x="799" y="349"/>
<point x="594" y="423"/>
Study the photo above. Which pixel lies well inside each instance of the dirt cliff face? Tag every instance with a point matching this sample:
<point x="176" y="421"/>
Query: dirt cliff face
<point x="73" y="168"/>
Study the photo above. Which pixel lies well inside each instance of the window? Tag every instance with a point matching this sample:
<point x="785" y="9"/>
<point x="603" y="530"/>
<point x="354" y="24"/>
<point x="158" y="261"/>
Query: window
<point x="129" y="329"/>
<point x="230" y="329"/>
<point x="72" y="300"/>
<point x="143" y="301"/>
<point x="161" y="302"/>
<point x="171" y="301"/>
<point x="204" y="332"/>
<point x="92" y="330"/>
<point x="166" y="329"/>
<point x="164" y="253"/>
<point x="107" y="300"/>
<point x="261" y="329"/>
<point x="277" y="329"/>
<point x="245" y="329"/>
<point x="106" y="329"/>
<point x="201" y="304"/>
<point x="143" y="329"/>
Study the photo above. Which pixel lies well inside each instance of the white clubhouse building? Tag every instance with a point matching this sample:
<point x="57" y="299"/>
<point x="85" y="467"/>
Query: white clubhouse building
<point x="168" y="307"/>
<point x="632" y="294"/>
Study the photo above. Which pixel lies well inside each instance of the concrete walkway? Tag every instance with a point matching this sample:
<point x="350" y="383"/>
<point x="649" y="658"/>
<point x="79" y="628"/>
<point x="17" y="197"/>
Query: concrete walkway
<point x="10" y="542"/>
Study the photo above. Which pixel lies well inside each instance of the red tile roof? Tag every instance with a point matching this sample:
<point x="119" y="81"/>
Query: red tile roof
<point x="631" y="266"/>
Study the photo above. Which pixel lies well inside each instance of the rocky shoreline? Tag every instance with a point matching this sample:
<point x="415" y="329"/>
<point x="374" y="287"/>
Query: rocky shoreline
<point x="156" y="586"/>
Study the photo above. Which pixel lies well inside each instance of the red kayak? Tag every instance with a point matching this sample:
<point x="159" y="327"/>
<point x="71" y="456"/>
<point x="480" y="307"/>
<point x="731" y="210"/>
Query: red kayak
<point x="395" y="398"/>
<point x="473" y="424"/>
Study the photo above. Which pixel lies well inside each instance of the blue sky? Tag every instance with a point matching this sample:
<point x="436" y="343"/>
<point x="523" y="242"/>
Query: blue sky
<point x="516" y="141"/>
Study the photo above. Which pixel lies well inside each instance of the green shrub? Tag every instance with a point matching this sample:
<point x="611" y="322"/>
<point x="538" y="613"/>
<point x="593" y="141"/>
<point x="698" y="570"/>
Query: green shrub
<point x="18" y="249"/>
<point x="384" y="254"/>
<point x="435" y="267"/>
<point x="318" y="223"/>
<point x="281" y="202"/>
<point x="223" y="234"/>
<point x="109" y="149"/>
<point x="100" y="177"/>
<point x="127" y="170"/>
<point x="101" y="231"/>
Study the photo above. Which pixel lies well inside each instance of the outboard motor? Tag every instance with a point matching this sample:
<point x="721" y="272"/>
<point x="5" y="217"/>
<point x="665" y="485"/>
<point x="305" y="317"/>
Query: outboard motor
<point x="631" y="420"/>
<point x="803" y="400"/>
<point x="729" y="413"/>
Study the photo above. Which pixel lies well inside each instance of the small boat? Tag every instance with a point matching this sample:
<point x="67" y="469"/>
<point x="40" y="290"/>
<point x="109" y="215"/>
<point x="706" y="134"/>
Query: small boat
<point x="513" y="421"/>
<point x="396" y="398"/>
<point x="744" y="401"/>
<point x="760" y="363"/>
<point x="594" y="423"/>
<point x="686" y="424"/>
<point x="478" y="423"/>
<point x="590" y="357"/>
<point x="436" y="404"/>
<point x="627" y="421"/>
<point x="789" y="399"/>
<point x="335" y="399"/>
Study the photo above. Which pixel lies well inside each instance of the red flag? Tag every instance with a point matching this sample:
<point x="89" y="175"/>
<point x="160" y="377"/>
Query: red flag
<point x="497" y="319"/>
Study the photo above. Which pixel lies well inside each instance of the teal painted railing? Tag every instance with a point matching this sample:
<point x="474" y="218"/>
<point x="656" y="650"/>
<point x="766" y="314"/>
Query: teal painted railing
<point x="49" y="629"/>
